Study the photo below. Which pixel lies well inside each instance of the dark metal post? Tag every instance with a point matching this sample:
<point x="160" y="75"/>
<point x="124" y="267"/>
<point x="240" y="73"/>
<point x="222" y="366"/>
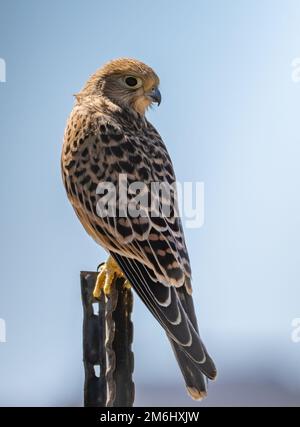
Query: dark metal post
<point x="107" y="340"/>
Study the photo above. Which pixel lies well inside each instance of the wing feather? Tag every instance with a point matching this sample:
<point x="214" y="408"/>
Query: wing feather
<point x="170" y="312"/>
<point x="111" y="151"/>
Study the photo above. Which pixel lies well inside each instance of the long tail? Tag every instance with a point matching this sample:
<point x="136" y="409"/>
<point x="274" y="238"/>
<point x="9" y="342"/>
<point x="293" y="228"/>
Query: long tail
<point x="195" y="381"/>
<point x="174" y="310"/>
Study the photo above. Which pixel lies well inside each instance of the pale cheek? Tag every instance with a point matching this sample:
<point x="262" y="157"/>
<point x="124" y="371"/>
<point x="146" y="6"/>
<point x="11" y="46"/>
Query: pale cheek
<point x="141" y="104"/>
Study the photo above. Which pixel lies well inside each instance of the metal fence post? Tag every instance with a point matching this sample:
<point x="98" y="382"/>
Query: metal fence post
<point x="107" y="342"/>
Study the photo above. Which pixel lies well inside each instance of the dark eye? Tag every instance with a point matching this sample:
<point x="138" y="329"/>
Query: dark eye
<point x="131" y="81"/>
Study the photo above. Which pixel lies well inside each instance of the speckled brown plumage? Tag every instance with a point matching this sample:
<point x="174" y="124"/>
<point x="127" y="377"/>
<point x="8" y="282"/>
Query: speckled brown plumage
<point x="107" y="135"/>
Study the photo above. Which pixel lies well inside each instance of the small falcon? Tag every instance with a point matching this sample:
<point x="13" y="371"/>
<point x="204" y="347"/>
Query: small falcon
<point x="108" y="137"/>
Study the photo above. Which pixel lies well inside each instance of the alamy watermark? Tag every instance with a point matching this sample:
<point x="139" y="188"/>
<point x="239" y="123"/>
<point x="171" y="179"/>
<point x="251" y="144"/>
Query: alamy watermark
<point x="2" y="331"/>
<point x="2" y="70"/>
<point x="295" y="335"/>
<point x="296" y="70"/>
<point x="136" y="199"/>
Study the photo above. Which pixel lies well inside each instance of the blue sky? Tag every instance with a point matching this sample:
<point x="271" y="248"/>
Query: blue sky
<point x="230" y="118"/>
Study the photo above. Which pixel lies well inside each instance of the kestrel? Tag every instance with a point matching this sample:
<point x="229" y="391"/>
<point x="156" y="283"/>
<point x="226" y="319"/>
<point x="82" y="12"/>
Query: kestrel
<point x="108" y="137"/>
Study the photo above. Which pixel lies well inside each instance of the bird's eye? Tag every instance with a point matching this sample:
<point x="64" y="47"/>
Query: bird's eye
<point x="132" y="82"/>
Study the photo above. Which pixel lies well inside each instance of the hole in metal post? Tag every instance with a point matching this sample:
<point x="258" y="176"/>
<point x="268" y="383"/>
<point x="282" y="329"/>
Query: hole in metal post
<point x="97" y="370"/>
<point x="95" y="308"/>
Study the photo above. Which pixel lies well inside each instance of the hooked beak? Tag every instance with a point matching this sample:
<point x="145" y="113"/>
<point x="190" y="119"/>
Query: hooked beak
<point x="155" y="95"/>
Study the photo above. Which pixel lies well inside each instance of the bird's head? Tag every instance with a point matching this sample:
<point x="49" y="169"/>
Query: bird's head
<point x="125" y="82"/>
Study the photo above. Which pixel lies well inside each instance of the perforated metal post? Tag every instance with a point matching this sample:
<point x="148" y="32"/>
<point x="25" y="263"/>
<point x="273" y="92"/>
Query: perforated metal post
<point x="107" y="342"/>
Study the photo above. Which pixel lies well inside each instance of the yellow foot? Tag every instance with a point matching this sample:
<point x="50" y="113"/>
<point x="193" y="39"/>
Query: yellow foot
<point x="107" y="273"/>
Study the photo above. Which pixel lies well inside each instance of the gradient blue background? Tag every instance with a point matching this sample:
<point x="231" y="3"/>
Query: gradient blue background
<point x="230" y="118"/>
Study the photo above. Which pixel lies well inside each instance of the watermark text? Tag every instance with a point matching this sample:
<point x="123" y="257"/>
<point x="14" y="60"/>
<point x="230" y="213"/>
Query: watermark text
<point x="2" y="331"/>
<point x="295" y="335"/>
<point x="2" y="70"/>
<point x="166" y="200"/>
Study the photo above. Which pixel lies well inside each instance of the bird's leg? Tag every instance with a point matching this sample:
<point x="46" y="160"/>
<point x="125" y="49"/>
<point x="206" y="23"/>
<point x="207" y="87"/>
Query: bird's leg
<point x="108" y="272"/>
